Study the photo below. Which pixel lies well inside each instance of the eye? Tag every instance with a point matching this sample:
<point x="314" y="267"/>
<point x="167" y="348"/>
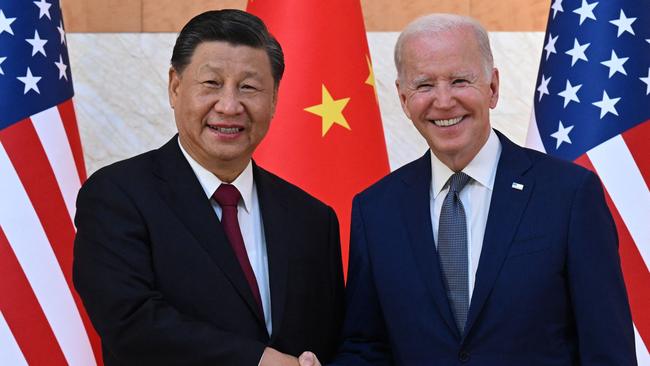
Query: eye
<point x="211" y="83"/>
<point x="460" y="82"/>
<point x="424" y="86"/>
<point x="248" y="87"/>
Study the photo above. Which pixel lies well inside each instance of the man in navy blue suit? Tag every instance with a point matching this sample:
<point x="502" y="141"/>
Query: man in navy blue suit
<point x="480" y="252"/>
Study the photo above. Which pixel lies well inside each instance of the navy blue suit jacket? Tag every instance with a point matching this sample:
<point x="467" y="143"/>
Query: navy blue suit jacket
<point x="549" y="288"/>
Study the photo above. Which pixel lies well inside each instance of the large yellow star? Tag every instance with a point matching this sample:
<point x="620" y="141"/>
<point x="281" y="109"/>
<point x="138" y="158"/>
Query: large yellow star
<point x="330" y="110"/>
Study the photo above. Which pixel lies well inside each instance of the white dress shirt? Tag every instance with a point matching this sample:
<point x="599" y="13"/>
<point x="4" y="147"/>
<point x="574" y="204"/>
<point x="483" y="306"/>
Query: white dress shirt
<point x="476" y="197"/>
<point x="250" y="224"/>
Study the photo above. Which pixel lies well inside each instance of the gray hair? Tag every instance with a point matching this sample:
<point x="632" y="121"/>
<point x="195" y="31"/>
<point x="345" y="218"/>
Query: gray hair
<point x="437" y="23"/>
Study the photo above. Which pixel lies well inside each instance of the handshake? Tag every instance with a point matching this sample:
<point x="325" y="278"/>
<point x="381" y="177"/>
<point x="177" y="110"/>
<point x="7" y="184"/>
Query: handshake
<point x="272" y="357"/>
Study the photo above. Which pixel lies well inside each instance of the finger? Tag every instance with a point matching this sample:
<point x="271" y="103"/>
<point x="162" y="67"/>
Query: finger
<point x="307" y="359"/>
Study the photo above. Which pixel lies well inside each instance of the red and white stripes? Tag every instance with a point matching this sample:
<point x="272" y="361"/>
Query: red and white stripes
<point x="623" y="165"/>
<point x="43" y="321"/>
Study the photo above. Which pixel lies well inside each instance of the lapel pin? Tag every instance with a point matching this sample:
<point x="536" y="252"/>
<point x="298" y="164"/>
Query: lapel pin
<point x="518" y="186"/>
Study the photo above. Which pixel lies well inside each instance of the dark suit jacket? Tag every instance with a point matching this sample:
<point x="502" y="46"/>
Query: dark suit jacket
<point x="162" y="285"/>
<point x="549" y="289"/>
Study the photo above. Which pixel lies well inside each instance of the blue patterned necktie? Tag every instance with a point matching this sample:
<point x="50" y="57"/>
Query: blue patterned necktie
<point x="452" y="249"/>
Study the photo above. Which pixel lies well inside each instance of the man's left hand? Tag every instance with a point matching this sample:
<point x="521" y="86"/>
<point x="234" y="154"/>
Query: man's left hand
<point x="308" y="359"/>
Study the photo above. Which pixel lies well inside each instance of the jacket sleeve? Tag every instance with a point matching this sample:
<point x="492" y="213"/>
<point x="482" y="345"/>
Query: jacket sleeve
<point x="365" y="339"/>
<point x="337" y="288"/>
<point x="596" y="281"/>
<point x="113" y="273"/>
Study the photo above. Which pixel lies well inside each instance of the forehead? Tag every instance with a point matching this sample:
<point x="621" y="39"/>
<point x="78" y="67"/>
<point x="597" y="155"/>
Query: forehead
<point x="450" y="49"/>
<point x="219" y="55"/>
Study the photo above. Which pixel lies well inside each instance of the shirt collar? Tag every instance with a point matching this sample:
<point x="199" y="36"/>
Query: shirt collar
<point x="481" y="169"/>
<point x="209" y="182"/>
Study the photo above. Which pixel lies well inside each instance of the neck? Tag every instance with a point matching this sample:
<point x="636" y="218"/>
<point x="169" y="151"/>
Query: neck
<point x="455" y="163"/>
<point x="226" y="171"/>
<point x="461" y="159"/>
<point x="227" y="175"/>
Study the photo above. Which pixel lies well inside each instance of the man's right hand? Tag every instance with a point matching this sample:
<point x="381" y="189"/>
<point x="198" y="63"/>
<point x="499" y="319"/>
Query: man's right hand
<point x="272" y="357"/>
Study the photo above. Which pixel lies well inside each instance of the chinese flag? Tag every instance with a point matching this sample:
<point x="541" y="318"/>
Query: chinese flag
<point x="326" y="135"/>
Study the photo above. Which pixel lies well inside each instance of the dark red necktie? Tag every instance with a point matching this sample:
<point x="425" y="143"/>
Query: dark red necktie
<point x="227" y="196"/>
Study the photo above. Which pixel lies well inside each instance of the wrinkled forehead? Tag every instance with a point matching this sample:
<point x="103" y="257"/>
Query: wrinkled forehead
<point x="425" y="47"/>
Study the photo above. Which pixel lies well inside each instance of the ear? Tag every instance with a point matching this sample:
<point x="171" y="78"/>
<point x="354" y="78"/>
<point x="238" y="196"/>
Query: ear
<point x="174" y="84"/>
<point x="402" y="98"/>
<point x="494" y="88"/>
<point x="274" y="101"/>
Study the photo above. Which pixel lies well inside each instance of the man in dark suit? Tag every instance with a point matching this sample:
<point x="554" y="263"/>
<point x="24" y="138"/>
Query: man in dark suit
<point x="481" y="252"/>
<point x="192" y="254"/>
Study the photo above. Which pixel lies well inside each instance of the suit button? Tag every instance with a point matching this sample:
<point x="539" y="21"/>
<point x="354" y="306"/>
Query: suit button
<point x="463" y="356"/>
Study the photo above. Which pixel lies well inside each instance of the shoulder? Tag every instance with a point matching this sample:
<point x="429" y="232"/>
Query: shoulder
<point x="547" y="170"/>
<point x="143" y="170"/>
<point x="269" y="184"/>
<point x="415" y="173"/>
<point x="555" y="170"/>
<point x="125" y="172"/>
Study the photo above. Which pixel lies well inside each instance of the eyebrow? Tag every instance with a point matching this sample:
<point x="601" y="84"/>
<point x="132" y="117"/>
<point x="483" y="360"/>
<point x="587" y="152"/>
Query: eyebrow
<point x="216" y="68"/>
<point x="420" y="79"/>
<point x="464" y="75"/>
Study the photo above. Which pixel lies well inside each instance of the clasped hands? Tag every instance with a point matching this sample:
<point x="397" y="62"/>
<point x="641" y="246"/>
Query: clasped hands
<point x="272" y="357"/>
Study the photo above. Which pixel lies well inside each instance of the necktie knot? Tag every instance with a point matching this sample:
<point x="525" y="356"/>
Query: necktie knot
<point x="457" y="181"/>
<point x="227" y="195"/>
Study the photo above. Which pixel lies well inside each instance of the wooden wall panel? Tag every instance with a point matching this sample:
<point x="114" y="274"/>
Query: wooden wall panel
<point x="512" y="15"/>
<point x="379" y="15"/>
<point x="171" y="15"/>
<point x="102" y="15"/>
<point x="392" y="15"/>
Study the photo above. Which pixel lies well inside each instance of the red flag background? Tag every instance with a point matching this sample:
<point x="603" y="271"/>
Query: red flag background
<point x="326" y="135"/>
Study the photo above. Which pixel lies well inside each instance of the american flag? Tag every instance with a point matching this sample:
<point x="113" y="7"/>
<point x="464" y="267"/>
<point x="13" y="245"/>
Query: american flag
<point x="42" y="321"/>
<point x="592" y="106"/>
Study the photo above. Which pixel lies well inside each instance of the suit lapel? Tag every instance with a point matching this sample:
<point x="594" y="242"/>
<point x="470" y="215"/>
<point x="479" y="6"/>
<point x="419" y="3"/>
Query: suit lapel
<point x="185" y="196"/>
<point x="417" y="215"/>
<point x="275" y="219"/>
<point x="506" y="208"/>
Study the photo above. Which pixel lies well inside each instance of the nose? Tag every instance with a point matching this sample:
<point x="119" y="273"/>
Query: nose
<point x="443" y="97"/>
<point x="229" y="102"/>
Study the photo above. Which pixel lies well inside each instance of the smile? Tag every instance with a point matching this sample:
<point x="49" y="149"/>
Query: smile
<point x="446" y="122"/>
<point x="227" y="130"/>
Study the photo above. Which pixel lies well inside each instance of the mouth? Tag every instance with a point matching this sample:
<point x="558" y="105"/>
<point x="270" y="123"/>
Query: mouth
<point x="446" y="122"/>
<point x="226" y="130"/>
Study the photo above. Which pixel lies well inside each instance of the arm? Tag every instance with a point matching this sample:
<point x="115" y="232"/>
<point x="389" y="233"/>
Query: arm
<point x="598" y="295"/>
<point x="365" y="339"/>
<point x="113" y="272"/>
<point x="330" y="331"/>
<point x="338" y="287"/>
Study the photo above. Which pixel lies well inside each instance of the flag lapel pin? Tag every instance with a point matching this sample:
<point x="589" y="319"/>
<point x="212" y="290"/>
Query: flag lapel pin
<point x="518" y="186"/>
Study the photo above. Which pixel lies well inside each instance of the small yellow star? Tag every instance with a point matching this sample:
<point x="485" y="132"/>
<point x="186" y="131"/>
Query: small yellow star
<point x="371" y="75"/>
<point x="330" y="110"/>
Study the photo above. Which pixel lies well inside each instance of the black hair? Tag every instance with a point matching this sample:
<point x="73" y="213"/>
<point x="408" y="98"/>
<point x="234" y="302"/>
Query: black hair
<point x="233" y="26"/>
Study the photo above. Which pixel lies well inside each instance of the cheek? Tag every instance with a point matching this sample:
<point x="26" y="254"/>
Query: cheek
<point x="417" y="105"/>
<point x="260" y="112"/>
<point x="261" y="124"/>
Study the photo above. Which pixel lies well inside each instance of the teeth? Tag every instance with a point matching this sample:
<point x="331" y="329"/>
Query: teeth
<point x="227" y="130"/>
<point x="447" y="122"/>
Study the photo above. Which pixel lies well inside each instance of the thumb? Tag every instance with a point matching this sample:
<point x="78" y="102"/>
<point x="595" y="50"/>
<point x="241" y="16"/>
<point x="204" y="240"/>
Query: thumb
<point x="307" y="359"/>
